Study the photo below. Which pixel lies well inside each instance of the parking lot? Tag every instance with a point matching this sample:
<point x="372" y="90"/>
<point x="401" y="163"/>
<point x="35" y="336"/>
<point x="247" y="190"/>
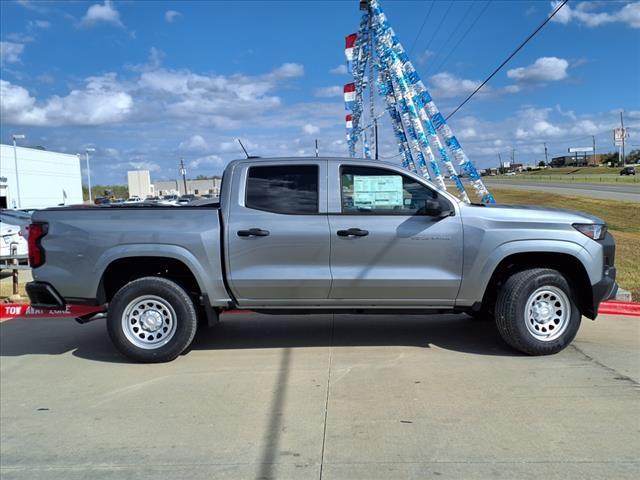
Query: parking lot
<point x="321" y="397"/>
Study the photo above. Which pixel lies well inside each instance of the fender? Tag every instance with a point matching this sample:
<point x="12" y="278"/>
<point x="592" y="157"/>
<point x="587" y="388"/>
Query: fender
<point x="210" y="281"/>
<point x="476" y="276"/>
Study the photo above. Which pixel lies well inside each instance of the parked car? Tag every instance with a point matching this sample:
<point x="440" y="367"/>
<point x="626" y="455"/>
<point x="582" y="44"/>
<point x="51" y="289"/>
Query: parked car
<point x="184" y="199"/>
<point x="11" y="237"/>
<point x="19" y="218"/>
<point x="312" y="235"/>
<point x="628" y="170"/>
<point x="133" y="199"/>
<point x="169" y="200"/>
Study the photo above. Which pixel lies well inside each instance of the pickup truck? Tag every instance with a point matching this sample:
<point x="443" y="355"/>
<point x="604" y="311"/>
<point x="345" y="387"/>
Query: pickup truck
<point x="310" y="235"/>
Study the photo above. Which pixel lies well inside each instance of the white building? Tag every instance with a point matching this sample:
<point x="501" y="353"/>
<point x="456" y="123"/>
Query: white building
<point x="45" y="179"/>
<point x="140" y="183"/>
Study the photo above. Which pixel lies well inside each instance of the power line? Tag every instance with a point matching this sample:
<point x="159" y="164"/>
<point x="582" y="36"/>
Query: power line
<point x="435" y="32"/>
<point x="456" y="28"/>
<point x="426" y="17"/>
<point x="509" y="58"/>
<point x="464" y="35"/>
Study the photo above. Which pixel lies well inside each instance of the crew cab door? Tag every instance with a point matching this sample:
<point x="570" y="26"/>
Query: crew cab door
<point x="278" y="233"/>
<point x="387" y="247"/>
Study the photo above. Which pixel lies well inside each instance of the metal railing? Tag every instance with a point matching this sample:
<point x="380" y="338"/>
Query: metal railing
<point x="12" y="262"/>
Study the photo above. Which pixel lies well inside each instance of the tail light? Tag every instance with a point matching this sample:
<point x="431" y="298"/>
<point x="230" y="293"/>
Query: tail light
<point x="36" y="252"/>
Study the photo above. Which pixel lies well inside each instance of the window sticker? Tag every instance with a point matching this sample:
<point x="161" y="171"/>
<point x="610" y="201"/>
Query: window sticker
<point x="380" y="191"/>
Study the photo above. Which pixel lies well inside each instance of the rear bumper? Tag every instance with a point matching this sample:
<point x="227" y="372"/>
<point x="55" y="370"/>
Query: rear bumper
<point x="43" y="295"/>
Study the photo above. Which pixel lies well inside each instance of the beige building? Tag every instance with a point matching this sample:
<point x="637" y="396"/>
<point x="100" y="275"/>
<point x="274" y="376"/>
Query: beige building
<point x="209" y="186"/>
<point x="140" y="184"/>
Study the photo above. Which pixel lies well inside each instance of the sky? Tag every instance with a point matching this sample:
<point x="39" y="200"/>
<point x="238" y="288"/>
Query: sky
<point x="148" y="82"/>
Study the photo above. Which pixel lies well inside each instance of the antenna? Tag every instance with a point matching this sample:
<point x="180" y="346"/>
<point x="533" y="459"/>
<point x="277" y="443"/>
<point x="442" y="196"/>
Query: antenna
<point x="243" y="149"/>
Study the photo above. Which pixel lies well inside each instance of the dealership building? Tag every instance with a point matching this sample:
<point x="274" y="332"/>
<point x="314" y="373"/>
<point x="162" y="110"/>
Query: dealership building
<point x="43" y="178"/>
<point x="139" y="182"/>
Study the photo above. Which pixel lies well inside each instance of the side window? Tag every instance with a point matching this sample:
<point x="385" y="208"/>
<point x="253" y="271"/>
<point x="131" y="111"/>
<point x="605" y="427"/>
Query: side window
<point x="378" y="191"/>
<point x="288" y="189"/>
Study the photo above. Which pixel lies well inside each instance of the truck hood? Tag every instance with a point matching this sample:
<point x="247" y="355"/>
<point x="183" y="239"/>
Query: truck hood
<point x="535" y="213"/>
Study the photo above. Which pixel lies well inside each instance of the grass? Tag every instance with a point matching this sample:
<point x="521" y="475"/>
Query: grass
<point x="576" y="171"/>
<point x="623" y="219"/>
<point x="6" y="288"/>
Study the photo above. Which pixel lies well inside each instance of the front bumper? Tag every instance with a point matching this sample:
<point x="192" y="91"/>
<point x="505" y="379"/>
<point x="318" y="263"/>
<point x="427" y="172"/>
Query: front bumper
<point x="605" y="289"/>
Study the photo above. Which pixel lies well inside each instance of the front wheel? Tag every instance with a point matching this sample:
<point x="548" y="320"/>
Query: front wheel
<point x="536" y="313"/>
<point x="151" y="320"/>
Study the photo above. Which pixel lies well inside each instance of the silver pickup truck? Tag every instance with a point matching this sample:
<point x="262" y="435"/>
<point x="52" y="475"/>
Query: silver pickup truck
<point x="307" y="235"/>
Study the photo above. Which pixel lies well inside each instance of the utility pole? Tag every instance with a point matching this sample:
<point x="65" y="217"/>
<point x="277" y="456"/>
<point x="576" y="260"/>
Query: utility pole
<point x="546" y="155"/>
<point x="593" y="137"/>
<point x="183" y="172"/>
<point x="499" y="163"/>
<point x="623" y="135"/>
<point x="316" y="148"/>
<point x="15" y="163"/>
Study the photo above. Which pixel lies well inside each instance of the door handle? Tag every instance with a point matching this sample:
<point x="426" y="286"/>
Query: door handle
<point x="253" y="232"/>
<point x="353" y="232"/>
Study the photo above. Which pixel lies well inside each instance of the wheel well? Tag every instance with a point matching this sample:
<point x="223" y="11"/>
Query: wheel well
<point x="124" y="270"/>
<point x="566" y="264"/>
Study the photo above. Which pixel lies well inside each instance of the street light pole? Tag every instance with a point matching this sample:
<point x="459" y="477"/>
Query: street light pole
<point x="15" y="163"/>
<point x="86" y="151"/>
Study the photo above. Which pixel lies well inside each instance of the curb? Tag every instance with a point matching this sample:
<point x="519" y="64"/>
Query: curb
<point x="618" y="307"/>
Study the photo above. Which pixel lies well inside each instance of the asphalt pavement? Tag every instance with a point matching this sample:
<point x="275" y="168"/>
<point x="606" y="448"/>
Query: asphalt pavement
<point x="621" y="192"/>
<point x="309" y="397"/>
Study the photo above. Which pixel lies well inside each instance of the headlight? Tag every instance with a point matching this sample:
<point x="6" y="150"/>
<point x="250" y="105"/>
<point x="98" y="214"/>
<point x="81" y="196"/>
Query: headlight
<point x="595" y="231"/>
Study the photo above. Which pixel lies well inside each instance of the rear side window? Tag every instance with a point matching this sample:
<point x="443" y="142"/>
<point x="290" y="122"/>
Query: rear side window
<point x="288" y="189"/>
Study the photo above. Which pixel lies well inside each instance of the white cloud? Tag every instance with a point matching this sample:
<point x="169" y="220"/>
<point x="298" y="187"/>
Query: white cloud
<point x="145" y="165"/>
<point x="326" y="92"/>
<point x="101" y="101"/>
<point x="310" y="129"/>
<point x="43" y="24"/>
<point x="447" y="85"/>
<point x="584" y="13"/>
<point x="288" y="70"/>
<point x="10" y="52"/>
<point x="171" y="16"/>
<point x="423" y="57"/>
<point x="105" y="13"/>
<point x="195" y="143"/>
<point x="340" y="70"/>
<point x="544" y="69"/>
<point x="209" y="161"/>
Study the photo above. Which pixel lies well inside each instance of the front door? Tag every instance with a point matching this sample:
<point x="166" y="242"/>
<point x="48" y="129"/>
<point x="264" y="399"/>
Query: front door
<point x="278" y="234"/>
<point x="386" y="247"/>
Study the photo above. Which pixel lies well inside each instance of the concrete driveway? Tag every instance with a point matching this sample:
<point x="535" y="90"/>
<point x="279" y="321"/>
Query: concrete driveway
<point x="308" y="397"/>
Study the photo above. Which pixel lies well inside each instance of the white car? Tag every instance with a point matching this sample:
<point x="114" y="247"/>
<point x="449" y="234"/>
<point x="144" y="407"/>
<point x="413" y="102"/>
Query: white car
<point x="134" y="199"/>
<point x="11" y="236"/>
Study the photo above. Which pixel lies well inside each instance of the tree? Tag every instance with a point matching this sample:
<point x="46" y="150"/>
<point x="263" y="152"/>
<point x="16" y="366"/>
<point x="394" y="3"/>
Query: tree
<point x="542" y="164"/>
<point x="633" y="156"/>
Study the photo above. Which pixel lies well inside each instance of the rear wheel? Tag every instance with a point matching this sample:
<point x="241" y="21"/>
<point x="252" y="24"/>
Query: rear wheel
<point x="536" y="312"/>
<point x="151" y="320"/>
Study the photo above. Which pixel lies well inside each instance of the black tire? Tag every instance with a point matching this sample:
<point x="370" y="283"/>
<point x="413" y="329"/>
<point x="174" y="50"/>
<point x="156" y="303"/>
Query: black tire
<point x="511" y="305"/>
<point x="184" y="316"/>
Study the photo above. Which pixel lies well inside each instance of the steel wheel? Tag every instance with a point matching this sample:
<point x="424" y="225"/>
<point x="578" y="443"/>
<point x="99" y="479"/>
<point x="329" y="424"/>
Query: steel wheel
<point x="149" y="322"/>
<point x="547" y="313"/>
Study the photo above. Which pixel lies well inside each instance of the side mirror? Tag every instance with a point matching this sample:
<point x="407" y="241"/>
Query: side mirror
<point x="432" y="208"/>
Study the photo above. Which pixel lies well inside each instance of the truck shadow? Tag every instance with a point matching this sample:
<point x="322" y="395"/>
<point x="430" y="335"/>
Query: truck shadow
<point x="239" y="331"/>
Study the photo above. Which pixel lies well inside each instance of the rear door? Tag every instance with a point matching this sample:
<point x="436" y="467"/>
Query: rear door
<point x="385" y="248"/>
<point x="278" y="233"/>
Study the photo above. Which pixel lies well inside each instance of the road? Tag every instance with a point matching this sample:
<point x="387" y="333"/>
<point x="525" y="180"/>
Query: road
<point x="627" y="192"/>
<point x="308" y="397"/>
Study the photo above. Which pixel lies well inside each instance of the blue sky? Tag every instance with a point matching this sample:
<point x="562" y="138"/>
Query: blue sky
<point x="148" y="82"/>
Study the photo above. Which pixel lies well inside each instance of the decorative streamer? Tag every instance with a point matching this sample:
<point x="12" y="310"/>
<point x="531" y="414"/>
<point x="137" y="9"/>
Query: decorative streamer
<point x="421" y="104"/>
